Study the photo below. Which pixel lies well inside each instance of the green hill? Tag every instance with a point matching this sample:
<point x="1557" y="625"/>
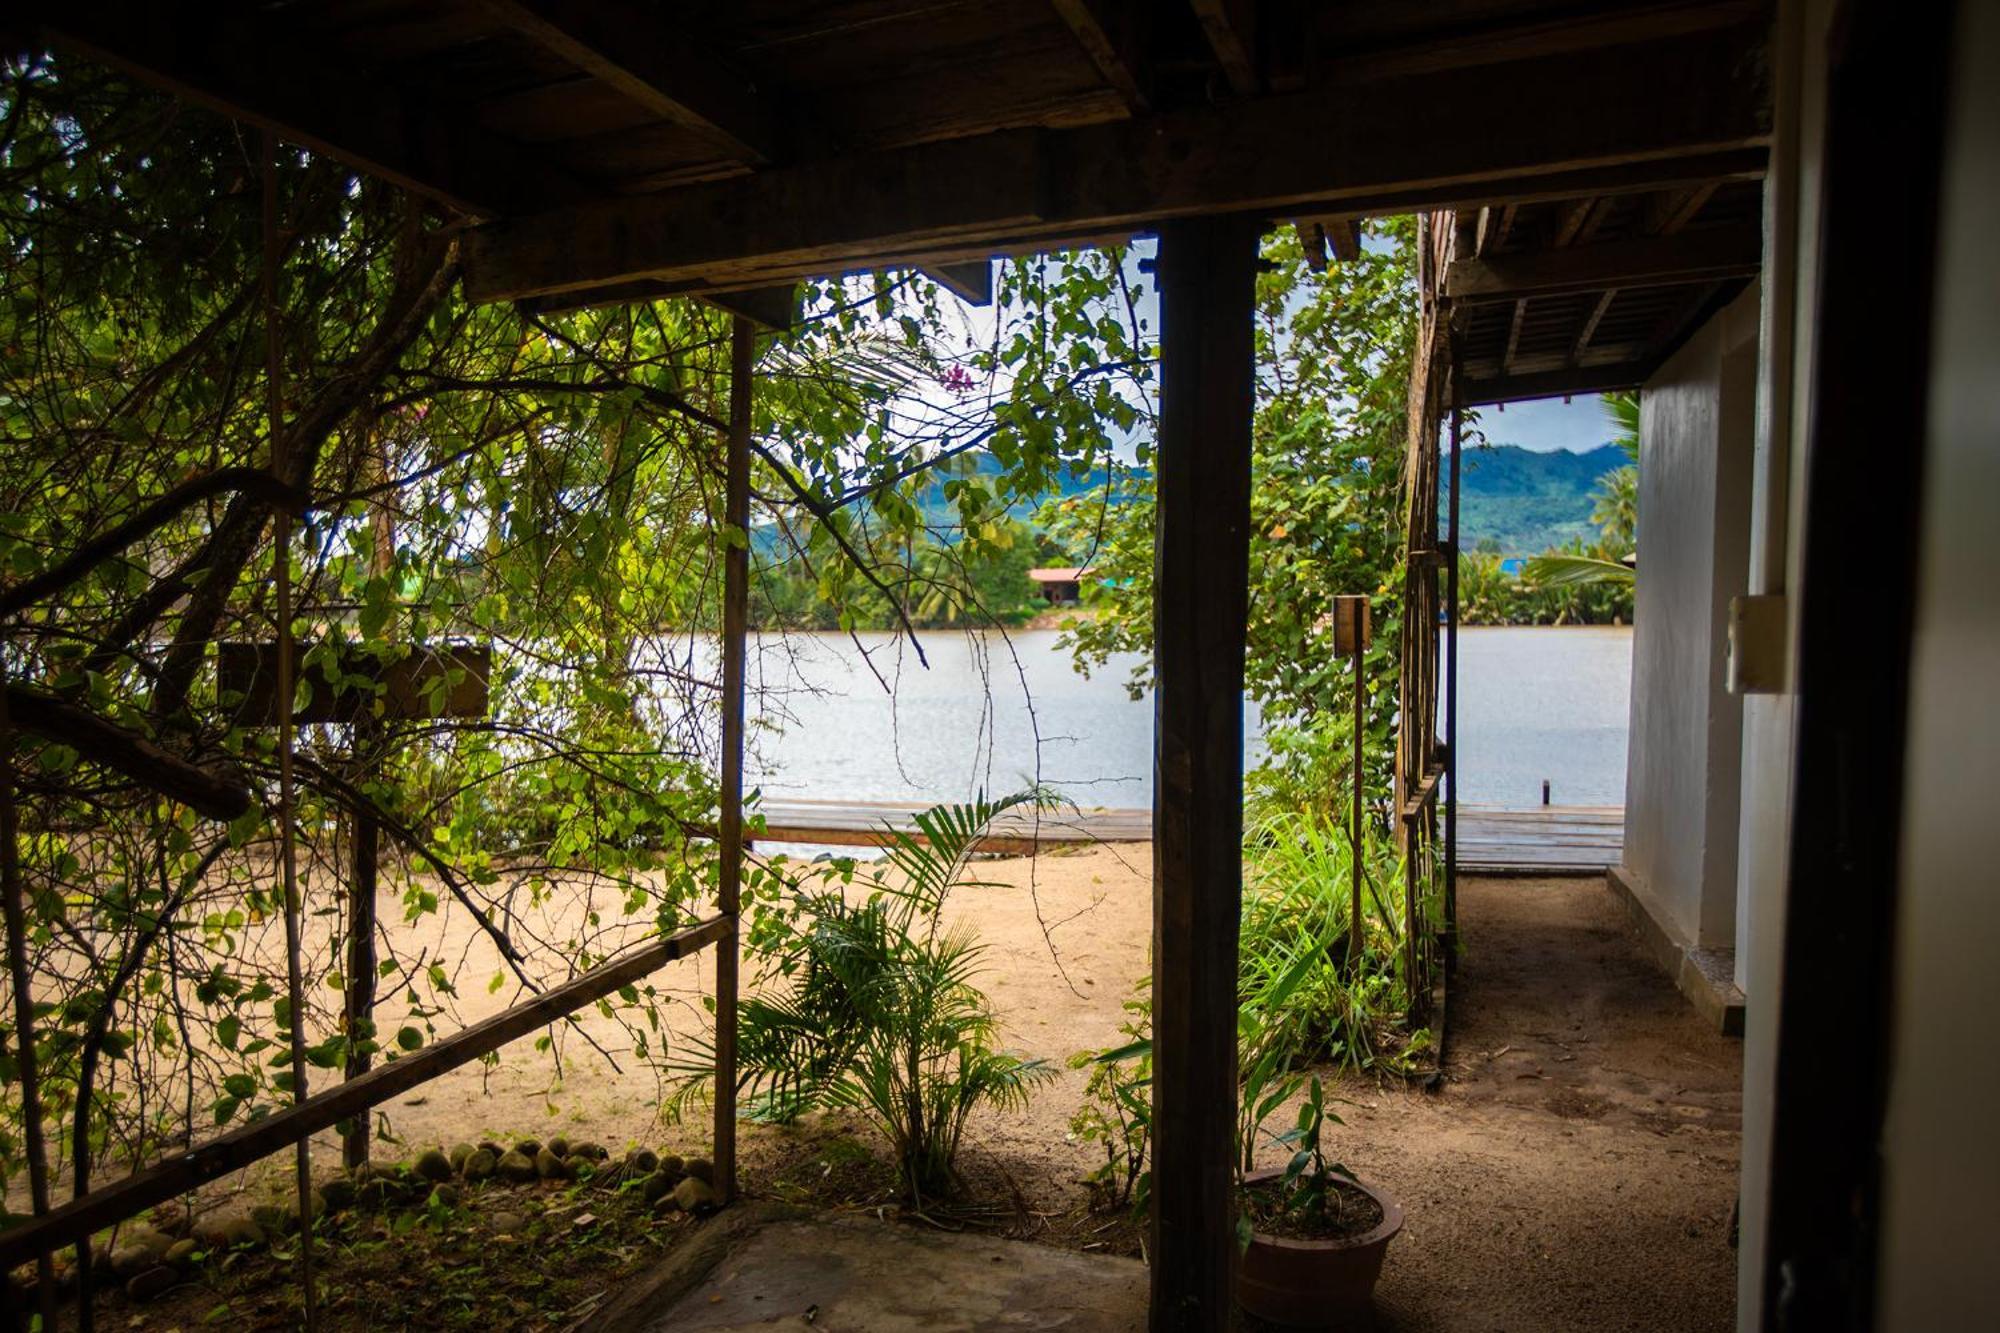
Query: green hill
<point x="1527" y="501"/>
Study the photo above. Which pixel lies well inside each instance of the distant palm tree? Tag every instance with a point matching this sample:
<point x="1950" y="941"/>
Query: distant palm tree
<point x="1615" y="511"/>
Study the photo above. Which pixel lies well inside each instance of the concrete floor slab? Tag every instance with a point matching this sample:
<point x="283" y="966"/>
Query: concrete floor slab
<point x="849" y="1275"/>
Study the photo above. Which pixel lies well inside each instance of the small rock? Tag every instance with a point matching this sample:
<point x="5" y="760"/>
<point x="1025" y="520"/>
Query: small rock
<point x="480" y="1165"/>
<point x="154" y="1281"/>
<point x="460" y="1154"/>
<point x="211" y="1232"/>
<point x="337" y="1194"/>
<point x="242" y="1231"/>
<point x="128" y="1261"/>
<point x="488" y="1145"/>
<point x="695" y="1195"/>
<point x="507" y="1223"/>
<point x="445" y="1196"/>
<point x="643" y="1160"/>
<point x="672" y="1165"/>
<point x="549" y="1166"/>
<point x="579" y="1166"/>
<point x="380" y="1192"/>
<point x="434" y="1165"/>
<point x="275" y="1219"/>
<point x="528" y="1148"/>
<point x="559" y="1146"/>
<point x="181" y="1253"/>
<point x="516" y="1166"/>
<point x="701" y="1169"/>
<point x="658" y="1186"/>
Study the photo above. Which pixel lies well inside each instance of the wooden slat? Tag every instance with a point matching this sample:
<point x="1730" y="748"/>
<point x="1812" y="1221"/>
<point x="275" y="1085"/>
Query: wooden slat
<point x="1231" y="29"/>
<point x="1110" y="34"/>
<point x="735" y="533"/>
<point x="654" y="62"/>
<point x="252" y="69"/>
<point x="1555" y="383"/>
<point x="1649" y="261"/>
<point x="1484" y="132"/>
<point x="81" y="1217"/>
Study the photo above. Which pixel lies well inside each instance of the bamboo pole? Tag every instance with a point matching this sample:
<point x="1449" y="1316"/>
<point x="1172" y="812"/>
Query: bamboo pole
<point x="735" y="623"/>
<point x="1451" y="678"/>
<point x="12" y="896"/>
<point x="281" y="582"/>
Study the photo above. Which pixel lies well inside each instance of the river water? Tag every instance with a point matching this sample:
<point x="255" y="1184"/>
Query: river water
<point x="997" y="712"/>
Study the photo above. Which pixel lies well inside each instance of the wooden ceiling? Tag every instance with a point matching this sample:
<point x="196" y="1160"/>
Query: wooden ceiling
<point x="620" y="148"/>
<point x="1592" y="293"/>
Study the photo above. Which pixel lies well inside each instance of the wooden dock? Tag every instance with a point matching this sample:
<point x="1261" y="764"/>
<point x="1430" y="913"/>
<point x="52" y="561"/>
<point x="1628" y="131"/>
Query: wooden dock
<point x="1537" y="840"/>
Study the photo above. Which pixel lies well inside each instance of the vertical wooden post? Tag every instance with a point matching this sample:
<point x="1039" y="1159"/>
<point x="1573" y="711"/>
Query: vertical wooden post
<point x="735" y="624"/>
<point x="281" y="579"/>
<point x="1207" y="275"/>
<point x="1451" y="682"/>
<point x="1350" y="632"/>
<point x="359" y="1007"/>
<point x="13" y="898"/>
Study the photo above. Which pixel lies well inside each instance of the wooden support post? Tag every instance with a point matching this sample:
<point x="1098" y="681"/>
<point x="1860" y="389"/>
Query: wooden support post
<point x="1207" y="274"/>
<point x="1451" y="680"/>
<point x="735" y="623"/>
<point x="13" y="899"/>
<point x="359" y="1009"/>
<point x="1350" y="638"/>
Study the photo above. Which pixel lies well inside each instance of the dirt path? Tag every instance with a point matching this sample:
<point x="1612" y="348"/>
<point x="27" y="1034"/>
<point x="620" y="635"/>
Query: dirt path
<point x="1575" y="1171"/>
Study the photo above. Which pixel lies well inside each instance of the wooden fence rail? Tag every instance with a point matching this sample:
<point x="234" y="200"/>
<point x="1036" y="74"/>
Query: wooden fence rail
<point x="173" y="1176"/>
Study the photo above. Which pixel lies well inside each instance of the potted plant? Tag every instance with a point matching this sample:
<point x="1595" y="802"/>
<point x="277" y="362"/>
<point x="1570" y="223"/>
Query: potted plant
<point x="1313" y="1236"/>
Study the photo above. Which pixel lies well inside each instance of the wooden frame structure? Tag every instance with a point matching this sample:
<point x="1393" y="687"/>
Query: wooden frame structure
<point x="596" y="151"/>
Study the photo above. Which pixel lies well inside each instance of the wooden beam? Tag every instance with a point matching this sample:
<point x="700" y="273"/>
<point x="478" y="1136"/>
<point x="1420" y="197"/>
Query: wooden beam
<point x="1555" y="383"/>
<point x="257" y="70"/>
<point x="1673" y="210"/>
<point x="1494" y="225"/>
<point x="1207" y="274"/>
<point x="181" y="1172"/>
<point x="971" y="282"/>
<point x="1231" y="29"/>
<point x="773" y="308"/>
<point x="1312" y="241"/>
<point x="1590" y="323"/>
<point x="1343" y="238"/>
<point x="1649" y="261"/>
<point x="654" y="62"/>
<point x="1491" y="132"/>
<point x="1110" y="33"/>
<point x="1514" y="322"/>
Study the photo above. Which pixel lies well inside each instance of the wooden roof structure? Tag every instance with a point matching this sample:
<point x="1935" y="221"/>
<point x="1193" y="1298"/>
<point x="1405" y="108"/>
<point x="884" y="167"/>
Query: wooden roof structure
<point x="614" y="149"/>
<point x="1593" y="293"/>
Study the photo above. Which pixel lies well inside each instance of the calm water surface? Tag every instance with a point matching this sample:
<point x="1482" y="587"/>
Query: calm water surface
<point x="998" y="713"/>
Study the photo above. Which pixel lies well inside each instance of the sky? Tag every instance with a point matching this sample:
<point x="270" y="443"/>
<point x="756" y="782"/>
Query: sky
<point x="1547" y="424"/>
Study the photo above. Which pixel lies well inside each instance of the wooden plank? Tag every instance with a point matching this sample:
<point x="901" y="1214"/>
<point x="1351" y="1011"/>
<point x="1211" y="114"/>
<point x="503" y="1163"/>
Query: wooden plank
<point x="656" y="63"/>
<point x="1555" y="383"/>
<point x="1231" y="29"/>
<point x="1647" y="261"/>
<point x="256" y="70"/>
<point x="1488" y="132"/>
<point x="213" y="793"/>
<point x="1110" y="33"/>
<point x="82" y="1217"/>
<point x="1207" y="274"/>
<point x="447" y="681"/>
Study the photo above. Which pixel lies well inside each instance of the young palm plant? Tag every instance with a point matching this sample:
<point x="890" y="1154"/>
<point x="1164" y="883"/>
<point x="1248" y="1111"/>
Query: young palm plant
<point x="869" y="1003"/>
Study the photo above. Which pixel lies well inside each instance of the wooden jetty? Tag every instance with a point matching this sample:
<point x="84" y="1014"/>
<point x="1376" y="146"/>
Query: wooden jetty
<point x="1492" y="840"/>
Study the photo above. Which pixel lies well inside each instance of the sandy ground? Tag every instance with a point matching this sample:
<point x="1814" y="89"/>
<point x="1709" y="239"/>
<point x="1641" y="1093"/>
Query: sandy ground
<point x="1576" y="1169"/>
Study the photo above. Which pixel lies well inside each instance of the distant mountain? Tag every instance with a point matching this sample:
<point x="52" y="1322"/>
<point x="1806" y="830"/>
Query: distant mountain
<point x="1528" y="501"/>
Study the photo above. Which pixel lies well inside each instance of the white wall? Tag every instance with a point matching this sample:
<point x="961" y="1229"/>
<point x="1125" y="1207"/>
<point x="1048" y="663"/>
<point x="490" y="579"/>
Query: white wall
<point x="1791" y="256"/>
<point x="1696" y="447"/>
<point x="1941" y="1168"/>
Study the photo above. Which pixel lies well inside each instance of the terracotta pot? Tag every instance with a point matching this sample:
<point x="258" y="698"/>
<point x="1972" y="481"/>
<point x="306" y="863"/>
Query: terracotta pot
<point x="1314" y="1283"/>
